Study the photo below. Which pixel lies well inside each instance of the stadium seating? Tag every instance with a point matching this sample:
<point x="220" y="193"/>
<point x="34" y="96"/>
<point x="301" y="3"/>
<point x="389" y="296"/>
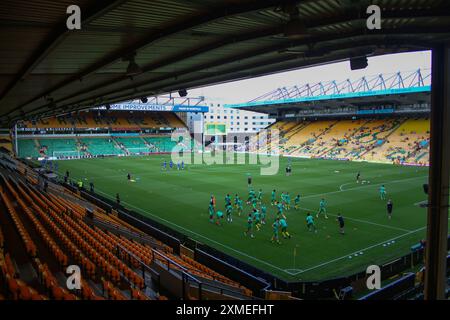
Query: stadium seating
<point x="93" y="146"/>
<point x="300" y="140"/>
<point x="5" y="142"/>
<point x="52" y="227"/>
<point x="387" y="140"/>
<point x="114" y="120"/>
<point x="409" y="143"/>
<point x="100" y="146"/>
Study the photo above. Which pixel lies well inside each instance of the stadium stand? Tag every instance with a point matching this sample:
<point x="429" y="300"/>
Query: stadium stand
<point x="55" y="231"/>
<point x="409" y="143"/>
<point x="92" y="146"/>
<point x="115" y="120"/>
<point x="5" y="143"/>
<point x="377" y="140"/>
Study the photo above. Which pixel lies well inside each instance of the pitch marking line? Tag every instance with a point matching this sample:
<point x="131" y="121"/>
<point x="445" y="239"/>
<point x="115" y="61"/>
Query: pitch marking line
<point x="365" y="249"/>
<point x="195" y="233"/>
<point x="361" y="187"/>
<point x="293" y="272"/>
<point x="362" y="221"/>
<point x="256" y="259"/>
<point x="341" y="187"/>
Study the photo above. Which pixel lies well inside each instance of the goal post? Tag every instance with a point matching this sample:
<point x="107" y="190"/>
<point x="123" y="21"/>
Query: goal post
<point x="138" y="150"/>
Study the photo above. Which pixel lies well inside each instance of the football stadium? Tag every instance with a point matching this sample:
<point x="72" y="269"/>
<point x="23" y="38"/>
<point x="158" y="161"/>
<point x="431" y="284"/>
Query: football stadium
<point x="119" y="182"/>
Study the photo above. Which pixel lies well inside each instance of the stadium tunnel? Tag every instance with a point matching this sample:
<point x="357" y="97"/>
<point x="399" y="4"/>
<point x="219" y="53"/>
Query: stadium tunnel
<point x="172" y="45"/>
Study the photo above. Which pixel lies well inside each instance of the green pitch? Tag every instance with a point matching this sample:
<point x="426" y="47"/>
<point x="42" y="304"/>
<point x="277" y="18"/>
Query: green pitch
<point x="180" y="199"/>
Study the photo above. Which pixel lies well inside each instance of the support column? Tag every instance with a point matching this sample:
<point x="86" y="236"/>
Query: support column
<point x="438" y="193"/>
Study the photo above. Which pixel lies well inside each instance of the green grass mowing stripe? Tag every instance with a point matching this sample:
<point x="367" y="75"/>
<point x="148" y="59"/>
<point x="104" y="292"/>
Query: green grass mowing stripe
<point x="182" y="197"/>
<point x="362" y="187"/>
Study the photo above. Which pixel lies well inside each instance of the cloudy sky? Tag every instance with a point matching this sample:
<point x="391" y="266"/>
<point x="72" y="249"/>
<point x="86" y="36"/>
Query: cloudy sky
<point x="246" y="90"/>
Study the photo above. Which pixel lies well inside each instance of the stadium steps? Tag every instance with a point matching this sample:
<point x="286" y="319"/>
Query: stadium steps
<point x="377" y="147"/>
<point x="312" y="139"/>
<point x="118" y="145"/>
<point x="335" y="149"/>
<point x="124" y="232"/>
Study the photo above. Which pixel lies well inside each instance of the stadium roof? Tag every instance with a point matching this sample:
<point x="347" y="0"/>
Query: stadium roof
<point x="400" y="88"/>
<point x="47" y="69"/>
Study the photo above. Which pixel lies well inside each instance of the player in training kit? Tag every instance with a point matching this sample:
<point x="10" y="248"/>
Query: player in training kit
<point x="229" y="209"/>
<point x="260" y="194"/>
<point x="280" y="209"/>
<point x="236" y="201"/>
<point x="254" y="202"/>
<point x="213" y="201"/>
<point x="382" y="192"/>
<point x="273" y="197"/>
<point x="275" y="227"/>
<point x="322" y="208"/>
<point x="240" y="207"/>
<point x="310" y="223"/>
<point x="227" y="200"/>
<point x="249" y="226"/>
<point x="263" y="213"/>
<point x="211" y="212"/>
<point x="219" y="215"/>
<point x="257" y="217"/>
<point x="251" y="195"/>
<point x="288" y="201"/>
<point x="284" y="225"/>
<point x="389" y="207"/>
<point x="297" y="202"/>
<point x="340" y="220"/>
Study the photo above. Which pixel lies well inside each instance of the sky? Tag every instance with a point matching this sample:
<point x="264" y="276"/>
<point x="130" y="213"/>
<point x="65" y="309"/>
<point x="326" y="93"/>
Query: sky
<point x="246" y="90"/>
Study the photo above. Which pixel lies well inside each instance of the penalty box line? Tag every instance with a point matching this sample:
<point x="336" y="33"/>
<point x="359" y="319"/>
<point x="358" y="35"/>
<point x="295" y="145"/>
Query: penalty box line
<point x="360" y="187"/>
<point x="365" y="249"/>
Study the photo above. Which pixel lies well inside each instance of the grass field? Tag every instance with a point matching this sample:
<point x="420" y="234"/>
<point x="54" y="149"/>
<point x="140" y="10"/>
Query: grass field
<point x="180" y="200"/>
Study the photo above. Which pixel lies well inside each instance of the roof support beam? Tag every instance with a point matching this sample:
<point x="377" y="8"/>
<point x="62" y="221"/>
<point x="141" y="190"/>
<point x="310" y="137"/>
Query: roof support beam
<point x="131" y="92"/>
<point x="251" y="54"/>
<point x="202" y="18"/>
<point x="58" y="34"/>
